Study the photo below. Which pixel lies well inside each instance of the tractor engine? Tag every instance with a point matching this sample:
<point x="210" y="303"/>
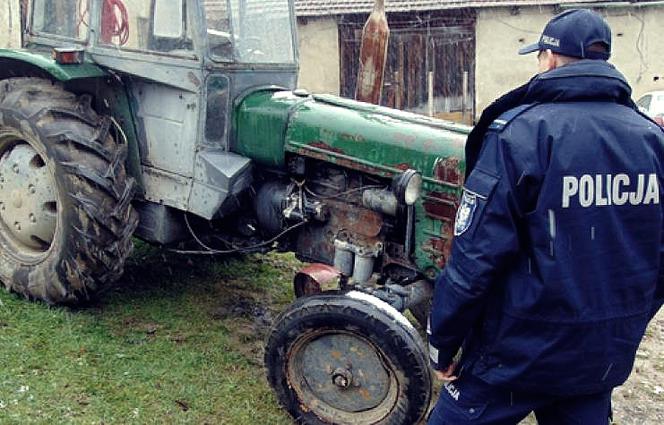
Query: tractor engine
<point x="353" y="220"/>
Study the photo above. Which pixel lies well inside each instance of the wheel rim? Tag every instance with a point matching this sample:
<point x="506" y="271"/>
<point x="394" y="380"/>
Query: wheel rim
<point x="342" y="377"/>
<point x="28" y="199"/>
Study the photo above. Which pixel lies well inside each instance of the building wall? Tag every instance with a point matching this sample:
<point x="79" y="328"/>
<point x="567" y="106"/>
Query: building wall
<point x="319" y="55"/>
<point x="638" y="47"/>
<point x="10" y="27"/>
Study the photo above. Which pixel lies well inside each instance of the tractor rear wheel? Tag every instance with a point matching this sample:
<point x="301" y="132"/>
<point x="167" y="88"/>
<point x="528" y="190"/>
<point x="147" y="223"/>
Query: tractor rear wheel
<point x="348" y="359"/>
<point x="66" y="218"/>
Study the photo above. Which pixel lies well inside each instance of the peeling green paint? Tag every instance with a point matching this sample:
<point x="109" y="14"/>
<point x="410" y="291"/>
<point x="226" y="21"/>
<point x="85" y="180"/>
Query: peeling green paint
<point x="260" y="124"/>
<point x="367" y="138"/>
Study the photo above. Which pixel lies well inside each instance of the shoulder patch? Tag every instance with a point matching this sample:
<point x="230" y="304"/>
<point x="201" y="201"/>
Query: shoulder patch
<point x="465" y="213"/>
<point x="502" y="121"/>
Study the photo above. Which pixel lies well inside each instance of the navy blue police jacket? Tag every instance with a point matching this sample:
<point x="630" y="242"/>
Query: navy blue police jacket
<point x="557" y="262"/>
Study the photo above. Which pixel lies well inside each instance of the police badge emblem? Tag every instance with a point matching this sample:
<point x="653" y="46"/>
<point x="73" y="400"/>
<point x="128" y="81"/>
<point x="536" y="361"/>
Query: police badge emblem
<point x="465" y="213"/>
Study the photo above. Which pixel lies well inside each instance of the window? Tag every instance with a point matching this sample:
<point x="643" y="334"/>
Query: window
<point x="645" y="102"/>
<point x="219" y="29"/>
<point x="250" y="31"/>
<point x="436" y="48"/>
<point x="64" y="18"/>
<point x="146" y="25"/>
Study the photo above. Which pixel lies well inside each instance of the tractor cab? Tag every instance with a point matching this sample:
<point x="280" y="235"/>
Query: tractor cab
<point x="183" y="64"/>
<point x="218" y="31"/>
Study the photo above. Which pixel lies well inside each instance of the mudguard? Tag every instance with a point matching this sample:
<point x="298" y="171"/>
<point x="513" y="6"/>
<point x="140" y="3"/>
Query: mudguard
<point x="21" y="62"/>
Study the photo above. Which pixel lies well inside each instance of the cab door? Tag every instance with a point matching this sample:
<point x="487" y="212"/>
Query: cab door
<point x="154" y="47"/>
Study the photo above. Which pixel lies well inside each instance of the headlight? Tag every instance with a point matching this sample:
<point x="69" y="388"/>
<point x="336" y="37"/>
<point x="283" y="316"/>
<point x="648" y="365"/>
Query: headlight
<point x="408" y="187"/>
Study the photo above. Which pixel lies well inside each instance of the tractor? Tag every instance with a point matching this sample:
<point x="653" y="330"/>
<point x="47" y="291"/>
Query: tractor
<point x="180" y="123"/>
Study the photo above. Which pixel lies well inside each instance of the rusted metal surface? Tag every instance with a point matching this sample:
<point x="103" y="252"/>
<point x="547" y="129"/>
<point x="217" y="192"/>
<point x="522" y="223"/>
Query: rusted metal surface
<point x="448" y="170"/>
<point x="325" y="154"/>
<point x="315" y="279"/>
<point x="440" y="205"/>
<point x="348" y="221"/>
<point x="439" y="249"/>
<point x="341" y="377"/>
<point x="404" y="166"/>
<point x="326" y="147"/>
<point x="357" y="221"/>
<point x="373" y="56"/>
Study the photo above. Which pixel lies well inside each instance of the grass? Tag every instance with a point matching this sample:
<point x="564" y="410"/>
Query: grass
<point x="179" y="342"/>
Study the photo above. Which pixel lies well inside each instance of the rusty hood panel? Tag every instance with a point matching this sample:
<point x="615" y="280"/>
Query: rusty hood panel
<point x="370" y="139"/>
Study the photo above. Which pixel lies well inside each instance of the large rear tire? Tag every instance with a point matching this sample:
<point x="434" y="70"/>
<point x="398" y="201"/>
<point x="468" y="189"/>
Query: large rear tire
<point x="348" y="359"/>
<point x="66" y="218"/>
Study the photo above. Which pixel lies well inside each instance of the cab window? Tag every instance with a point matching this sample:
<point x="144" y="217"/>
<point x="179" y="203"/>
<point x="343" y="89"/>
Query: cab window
<point x="219" y="30"/>
<point x="644" y="102"/>
<point x="64" y="18"/>
<point x="147" y="25"/>
<point x="250" y="31"/>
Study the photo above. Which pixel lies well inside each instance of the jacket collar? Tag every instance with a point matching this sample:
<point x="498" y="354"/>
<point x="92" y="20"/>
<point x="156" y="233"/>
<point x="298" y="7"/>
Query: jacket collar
<point x="585" y="80"/>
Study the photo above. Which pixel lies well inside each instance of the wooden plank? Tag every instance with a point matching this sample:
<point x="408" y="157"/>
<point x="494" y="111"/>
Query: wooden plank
<point x="401" y="71"/>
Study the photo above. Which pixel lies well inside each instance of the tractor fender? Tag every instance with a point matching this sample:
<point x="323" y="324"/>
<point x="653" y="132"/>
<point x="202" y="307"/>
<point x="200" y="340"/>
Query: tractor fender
<point x="79" y="79"/>
<point x="23" y="63"/>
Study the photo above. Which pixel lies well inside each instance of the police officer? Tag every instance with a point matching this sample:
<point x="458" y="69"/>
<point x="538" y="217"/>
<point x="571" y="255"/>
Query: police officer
<point x="558" y="260"/>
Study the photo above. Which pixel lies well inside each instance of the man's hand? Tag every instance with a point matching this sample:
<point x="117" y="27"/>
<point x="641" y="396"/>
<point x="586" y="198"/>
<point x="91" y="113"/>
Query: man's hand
<point x="447" y="375"/>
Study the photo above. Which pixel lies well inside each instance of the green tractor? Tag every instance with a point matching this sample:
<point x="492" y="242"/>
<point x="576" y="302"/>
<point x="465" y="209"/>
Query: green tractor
<point x="178" y="122"/>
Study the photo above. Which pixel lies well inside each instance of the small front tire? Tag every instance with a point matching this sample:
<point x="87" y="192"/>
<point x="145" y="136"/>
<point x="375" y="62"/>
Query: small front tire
<point x="348" y="359"/>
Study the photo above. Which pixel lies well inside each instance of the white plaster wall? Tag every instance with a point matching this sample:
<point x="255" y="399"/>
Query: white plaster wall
<point x="10" y="26"/>
<point x="638" y="48"/>
<point x="319" y="55"/>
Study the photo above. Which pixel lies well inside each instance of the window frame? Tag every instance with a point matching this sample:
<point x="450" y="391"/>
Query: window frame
<point x="235" y="60"/>
<point x="643" y="99"/>
<point x="42" y="35"/>
<point x="191" y="15"/>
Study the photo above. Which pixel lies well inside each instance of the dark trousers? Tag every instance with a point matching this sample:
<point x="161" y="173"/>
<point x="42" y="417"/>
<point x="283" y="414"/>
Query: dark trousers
<point x="470" y="400"/>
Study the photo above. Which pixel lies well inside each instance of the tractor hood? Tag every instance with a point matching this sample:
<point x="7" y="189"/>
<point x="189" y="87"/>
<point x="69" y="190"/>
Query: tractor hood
<point x="270" y="125"/>
<point x="369" y="138"/>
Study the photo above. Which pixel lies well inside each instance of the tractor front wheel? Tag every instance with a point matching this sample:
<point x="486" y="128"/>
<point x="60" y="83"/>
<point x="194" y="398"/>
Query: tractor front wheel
<point x="66" y="218"/>
<point x="348" y="359"/>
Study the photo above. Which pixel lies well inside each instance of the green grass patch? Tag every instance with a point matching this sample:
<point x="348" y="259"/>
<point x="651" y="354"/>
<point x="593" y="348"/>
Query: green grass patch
<point x="179" y="341"/>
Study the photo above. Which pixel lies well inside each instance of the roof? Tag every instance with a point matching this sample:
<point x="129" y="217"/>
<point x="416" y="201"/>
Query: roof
<point x="347" y="7"/>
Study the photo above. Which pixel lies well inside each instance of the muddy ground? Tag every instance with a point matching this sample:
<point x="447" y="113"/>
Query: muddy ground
<point x="249" y="314"/>
<point x="639" y="402"/>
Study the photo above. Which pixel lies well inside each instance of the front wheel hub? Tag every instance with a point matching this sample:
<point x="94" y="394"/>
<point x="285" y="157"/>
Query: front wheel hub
<point x="328" y="369"/>
<point x="343" y="378"/>
<point x="28" y="201"/>
<point x="348" y="359"/>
